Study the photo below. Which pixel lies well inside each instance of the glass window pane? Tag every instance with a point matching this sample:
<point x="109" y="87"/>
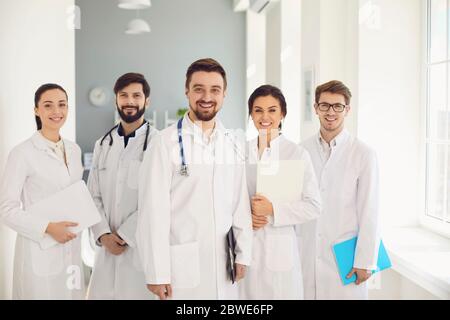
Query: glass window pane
<point x="437" y="102"/>
<point x="436" y="181"/>
<point x="438" y="30"/>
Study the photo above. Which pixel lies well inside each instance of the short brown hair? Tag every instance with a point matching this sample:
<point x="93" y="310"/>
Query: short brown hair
<point x="207" y="65"/>
<point x="129" y="78"/>
<point x="336" y="87"/>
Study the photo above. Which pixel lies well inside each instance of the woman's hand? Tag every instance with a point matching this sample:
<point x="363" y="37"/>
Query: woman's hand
<point x="59" y="232"/>
<point x="261" y="206"/>
<point x="258" y="222"/>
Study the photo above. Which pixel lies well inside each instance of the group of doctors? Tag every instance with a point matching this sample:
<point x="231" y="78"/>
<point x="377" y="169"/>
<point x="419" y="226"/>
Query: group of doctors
<point x="168" y="200"/>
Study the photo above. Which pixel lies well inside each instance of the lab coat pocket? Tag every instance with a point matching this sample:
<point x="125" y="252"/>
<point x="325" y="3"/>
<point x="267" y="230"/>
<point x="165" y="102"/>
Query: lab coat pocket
<point x="279" y="253"/>
<point x="133" y="174"/>
<point x="48" y="262"/>
<point x="185" y="266"/>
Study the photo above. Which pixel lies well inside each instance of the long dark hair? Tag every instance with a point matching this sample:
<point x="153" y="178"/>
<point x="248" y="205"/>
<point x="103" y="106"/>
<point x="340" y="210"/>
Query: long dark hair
<point x="37" y="96"/>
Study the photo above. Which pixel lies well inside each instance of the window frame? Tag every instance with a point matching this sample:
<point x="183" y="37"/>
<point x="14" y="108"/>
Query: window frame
<point x="437" y="225"/>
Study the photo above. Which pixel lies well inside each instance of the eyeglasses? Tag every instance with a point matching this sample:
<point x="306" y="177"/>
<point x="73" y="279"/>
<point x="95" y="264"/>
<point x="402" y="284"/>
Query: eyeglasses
<point x="337" y="107"/>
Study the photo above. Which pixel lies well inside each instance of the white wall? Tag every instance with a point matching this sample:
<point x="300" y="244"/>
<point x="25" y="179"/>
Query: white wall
<point x="329" y="45"/>
<point x="390" y="103"/>
<point x="273" y="44"/>
<point x="310" y="46"/>
<point x="380" y="60"/>
<point x="290" y="62"/>
<point x="37" y="47"/>
<point x="283" y="63"/>
<point x="256" y="59"/>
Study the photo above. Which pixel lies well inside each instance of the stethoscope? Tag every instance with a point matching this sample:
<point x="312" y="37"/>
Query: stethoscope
<point x="184" y="169"/>
<point x="109" y="134"/>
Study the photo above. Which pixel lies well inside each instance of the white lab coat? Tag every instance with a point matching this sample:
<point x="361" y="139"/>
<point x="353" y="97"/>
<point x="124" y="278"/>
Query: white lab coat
<point x="348" y="184"/>
<point x="275" y="271"/>
<point x="113" y="183"/>
<point x="183" y="221"/>
<point x="33" y="172"/>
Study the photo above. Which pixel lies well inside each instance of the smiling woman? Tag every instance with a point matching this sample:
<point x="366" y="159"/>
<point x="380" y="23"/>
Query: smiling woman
<point x="50" y="107"/>
<point x="36" y="169"/>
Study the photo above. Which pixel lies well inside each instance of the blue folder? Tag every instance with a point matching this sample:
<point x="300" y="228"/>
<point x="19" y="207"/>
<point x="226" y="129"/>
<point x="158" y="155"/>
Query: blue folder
<point x="344" y="253"/>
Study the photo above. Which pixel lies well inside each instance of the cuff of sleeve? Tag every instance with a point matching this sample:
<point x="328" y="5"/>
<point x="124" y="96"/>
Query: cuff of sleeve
<point x="127" y="239"/>
<point x="277" y="219"/>
<point x="241" y="259"/>
<point x="42" y="227"/>
<point x="364" y="263"/>
<point x="97" y="235"/>
<point x="150" y="280"/>
<point x="371" y="267"/>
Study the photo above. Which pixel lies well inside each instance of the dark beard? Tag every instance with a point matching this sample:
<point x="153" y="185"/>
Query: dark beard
<point x="204" y="116"/>
<point x="133" y="118"/>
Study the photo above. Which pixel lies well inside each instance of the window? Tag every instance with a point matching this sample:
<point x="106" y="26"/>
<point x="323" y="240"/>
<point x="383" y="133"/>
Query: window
<point x="438" y="113"/>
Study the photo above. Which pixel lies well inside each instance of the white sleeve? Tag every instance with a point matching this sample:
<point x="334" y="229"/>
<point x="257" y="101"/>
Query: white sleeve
<point x="94" y="187"/>
<point x="304" y="209"/>
<point x="127" y="230"/>
<point x="153" y="225"/>
<point x="242" y="221"/>
<point x="11" y="212"/>
<point x="367" y="246"/>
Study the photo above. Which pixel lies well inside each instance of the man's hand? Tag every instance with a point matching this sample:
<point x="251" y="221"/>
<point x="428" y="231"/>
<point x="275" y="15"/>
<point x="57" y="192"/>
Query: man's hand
<point x="261" y="206"/>
<point x="113" y="243"/>
<point x="163" y="291"/>
<point x="240" y="271"/>
<point x="59" y="232"/>
<point x="361" y="275"/>
<point x="258" y="221"/>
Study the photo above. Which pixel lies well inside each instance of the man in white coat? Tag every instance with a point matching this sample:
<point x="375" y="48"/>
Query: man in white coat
<point x="113" y="182"/>
<point x="192" y="191"/>
<point x="347" y="172"/>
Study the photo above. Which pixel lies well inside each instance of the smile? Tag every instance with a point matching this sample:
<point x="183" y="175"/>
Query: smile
<point x="129" y="109"/>
<point x="265" y="124"/>
<point x="208" y="105"/>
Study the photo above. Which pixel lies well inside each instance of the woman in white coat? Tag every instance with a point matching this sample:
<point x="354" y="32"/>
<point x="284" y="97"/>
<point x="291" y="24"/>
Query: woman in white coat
<point x="37" y="168"/>
<point x="275" y="271"/>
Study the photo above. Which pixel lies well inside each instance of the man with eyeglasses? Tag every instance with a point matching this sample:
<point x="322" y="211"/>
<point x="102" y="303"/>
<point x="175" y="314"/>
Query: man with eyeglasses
<point x="347" y="172"/>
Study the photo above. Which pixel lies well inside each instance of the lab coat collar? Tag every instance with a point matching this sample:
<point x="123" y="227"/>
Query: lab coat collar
<point x="141" y="130"/>
<point x="274" y="144"/>
<point x="41" y="143"/>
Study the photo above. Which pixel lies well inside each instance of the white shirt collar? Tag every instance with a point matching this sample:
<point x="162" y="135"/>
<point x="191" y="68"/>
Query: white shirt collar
<point x="190" y="127"/>
<point x="337" y="141"/>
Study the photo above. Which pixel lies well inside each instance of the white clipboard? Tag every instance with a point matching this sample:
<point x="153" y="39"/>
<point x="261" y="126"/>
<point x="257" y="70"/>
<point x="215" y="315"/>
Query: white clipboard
<point x="280" y="180"/>
<point x="73" y="203"/>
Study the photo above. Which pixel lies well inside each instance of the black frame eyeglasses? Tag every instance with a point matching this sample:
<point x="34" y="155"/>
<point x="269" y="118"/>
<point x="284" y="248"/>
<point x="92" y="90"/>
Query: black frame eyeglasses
<point x="337" y="107"/>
